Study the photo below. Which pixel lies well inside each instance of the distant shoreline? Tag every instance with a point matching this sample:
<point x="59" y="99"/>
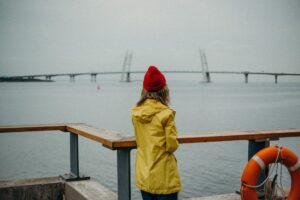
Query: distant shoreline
<point x="23" y="80"/>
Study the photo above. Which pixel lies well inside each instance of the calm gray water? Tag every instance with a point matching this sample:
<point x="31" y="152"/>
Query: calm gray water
<point x="205" y="168"/>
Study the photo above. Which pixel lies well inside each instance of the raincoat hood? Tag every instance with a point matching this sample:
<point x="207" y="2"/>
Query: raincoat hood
<point x="145" y="113"/>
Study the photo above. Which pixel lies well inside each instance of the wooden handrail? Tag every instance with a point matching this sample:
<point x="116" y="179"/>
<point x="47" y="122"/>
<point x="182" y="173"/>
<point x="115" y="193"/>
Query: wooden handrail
<point x="113" y="140"/>
<point x="102" y="136"/>
<point x="219" y="136"/>
<point x="38" y="127"/>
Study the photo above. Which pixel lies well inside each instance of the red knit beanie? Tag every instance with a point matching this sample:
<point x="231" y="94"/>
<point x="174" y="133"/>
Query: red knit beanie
<point x="154" y="80"/>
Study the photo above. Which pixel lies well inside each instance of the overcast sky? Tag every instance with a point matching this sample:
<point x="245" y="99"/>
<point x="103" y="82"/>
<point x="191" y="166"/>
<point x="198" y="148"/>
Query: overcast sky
<point x="93" y="35"/>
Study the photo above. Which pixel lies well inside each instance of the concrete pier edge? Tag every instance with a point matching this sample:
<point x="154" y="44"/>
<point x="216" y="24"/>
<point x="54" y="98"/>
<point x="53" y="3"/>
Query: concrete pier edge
<point x="54" y="188"/>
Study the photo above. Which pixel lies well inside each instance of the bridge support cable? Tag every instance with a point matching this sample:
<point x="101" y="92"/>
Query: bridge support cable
<point x="126" y="67"/>
<point x="205" y="71"/>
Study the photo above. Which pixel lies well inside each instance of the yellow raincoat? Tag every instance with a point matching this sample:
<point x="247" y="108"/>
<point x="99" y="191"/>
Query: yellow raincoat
<point x="156" y="136"/>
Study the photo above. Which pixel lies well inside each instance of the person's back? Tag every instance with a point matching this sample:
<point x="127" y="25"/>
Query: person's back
<point x="156" y="167"/>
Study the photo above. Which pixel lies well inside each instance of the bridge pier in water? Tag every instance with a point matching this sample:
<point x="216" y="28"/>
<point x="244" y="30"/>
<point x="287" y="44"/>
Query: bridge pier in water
<point x="207" y="74"/>
<point x="93" y="78"/>
<point x="48" y="78"/>
<point x="276" y="78"/>
<point x="246" y="77"/>
<point x="128" y="77"/>
<point x="72" y="78"/>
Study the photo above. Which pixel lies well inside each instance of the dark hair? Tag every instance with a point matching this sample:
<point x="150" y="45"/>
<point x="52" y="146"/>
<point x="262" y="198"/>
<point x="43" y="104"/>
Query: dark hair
<point x="160" y="95"/>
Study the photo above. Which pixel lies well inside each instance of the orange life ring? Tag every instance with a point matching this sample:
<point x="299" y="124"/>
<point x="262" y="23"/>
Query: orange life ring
<point x="263" y="158"/>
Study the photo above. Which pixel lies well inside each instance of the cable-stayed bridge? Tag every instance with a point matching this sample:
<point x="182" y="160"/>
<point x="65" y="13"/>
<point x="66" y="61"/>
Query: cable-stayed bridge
<point x="126" y="72"/>
<point x="126" y="75"/>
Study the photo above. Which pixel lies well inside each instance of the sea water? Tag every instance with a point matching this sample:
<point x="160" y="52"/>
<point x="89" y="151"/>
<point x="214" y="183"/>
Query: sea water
<point x="205" y="168"/>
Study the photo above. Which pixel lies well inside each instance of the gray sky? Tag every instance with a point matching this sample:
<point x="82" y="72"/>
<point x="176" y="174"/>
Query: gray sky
<point x="93" y="35"/>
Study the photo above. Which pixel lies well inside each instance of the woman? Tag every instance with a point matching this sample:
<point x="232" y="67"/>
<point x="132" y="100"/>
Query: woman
<point x="156" y="167"/>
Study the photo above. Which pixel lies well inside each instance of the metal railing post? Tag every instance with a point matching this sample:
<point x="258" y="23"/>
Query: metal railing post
<point x="255" y="146"/>
<point x="123" y="168"/>
<point x="74" y="174"/>
<point x="74" y="155"/>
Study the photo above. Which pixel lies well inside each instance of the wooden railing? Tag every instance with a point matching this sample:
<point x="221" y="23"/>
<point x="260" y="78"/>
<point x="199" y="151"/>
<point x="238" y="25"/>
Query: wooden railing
<point x="123" y="145"/>
<point x="114" y="140"/>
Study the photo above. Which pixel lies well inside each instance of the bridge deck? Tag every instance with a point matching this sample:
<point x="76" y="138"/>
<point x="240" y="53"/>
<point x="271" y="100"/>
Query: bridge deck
<point x="141" y="72"/>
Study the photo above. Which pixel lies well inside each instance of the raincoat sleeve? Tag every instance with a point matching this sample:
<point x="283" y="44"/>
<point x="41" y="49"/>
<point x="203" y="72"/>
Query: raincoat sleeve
<point x="171" y="134"/>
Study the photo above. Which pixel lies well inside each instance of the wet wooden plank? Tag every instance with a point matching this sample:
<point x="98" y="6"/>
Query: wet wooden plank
<point x="102" y="136"/>
<point x="219" y="136"/>
<point x="240" y="135"/>
<point x="27" y="128"/>
<point x="128" y="142"/>
<point x="114" y="140"/>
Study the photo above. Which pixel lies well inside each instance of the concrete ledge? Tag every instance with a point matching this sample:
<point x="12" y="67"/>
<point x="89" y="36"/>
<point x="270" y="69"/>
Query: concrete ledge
<point x="234" y="196"/>
<point x="39" y="188"/>
<point x="54" y="188"/>
<point x="88" y="190"/>
<point x="231" y="196"/>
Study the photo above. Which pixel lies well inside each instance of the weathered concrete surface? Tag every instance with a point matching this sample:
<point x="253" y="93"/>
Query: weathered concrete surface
<point x="231" y="196"/>
<point x="88" y="190"/>
<point x="54" y="188"/>
<point x="32" y="189"/>
<point x="234" y="196"/>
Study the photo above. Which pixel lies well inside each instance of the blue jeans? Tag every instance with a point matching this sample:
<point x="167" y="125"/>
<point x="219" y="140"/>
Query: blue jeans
<point x="149" y="196"/>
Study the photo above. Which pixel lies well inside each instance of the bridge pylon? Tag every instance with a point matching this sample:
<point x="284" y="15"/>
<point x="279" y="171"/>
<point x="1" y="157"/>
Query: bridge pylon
<point x="125" y="75"/>
<point x="204" y="65"/>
